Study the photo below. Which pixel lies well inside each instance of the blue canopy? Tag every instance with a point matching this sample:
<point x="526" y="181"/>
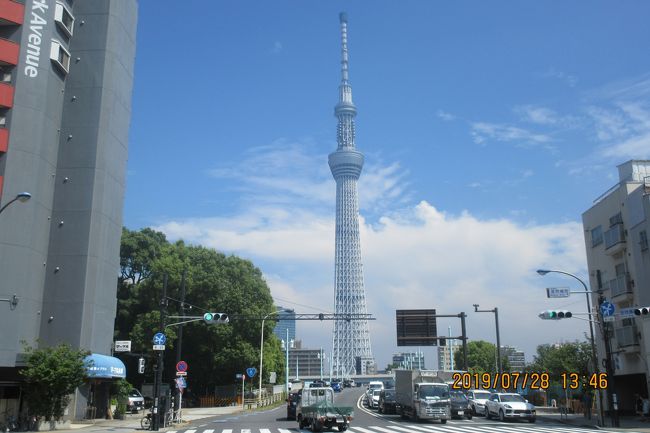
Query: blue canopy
<point x="104" y="367"/>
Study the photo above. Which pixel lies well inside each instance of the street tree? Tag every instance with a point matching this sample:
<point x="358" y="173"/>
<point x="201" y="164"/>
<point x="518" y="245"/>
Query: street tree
<point x="51" y="375"/>
<point x="214" y="282"/>
<point x="481" y="358"/>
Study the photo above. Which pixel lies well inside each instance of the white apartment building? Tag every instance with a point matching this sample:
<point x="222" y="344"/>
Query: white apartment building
<point x="616" y="239"/>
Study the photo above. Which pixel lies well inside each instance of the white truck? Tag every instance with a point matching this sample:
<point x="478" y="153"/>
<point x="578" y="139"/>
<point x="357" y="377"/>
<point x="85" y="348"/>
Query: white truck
<point x="423" y="395"/>
<point x="316" y="410"/>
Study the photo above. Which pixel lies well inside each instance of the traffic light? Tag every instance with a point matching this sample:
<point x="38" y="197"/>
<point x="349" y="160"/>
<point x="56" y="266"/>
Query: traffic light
<point x="555" y="314"/>
<point x="216" y="318"/>
<point x="642" y="310"/>
<point x="141" y="365"/>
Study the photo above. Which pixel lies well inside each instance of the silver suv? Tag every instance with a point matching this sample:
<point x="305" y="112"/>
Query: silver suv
<point x="136" y="401"/>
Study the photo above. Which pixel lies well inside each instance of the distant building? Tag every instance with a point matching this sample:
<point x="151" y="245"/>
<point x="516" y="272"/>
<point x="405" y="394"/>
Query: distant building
<point x="307" y="362"/>
<point x="287" y="322"/>
<point x="516" y="358"/>
<point x="409" y="360"/>
<point x="446" y="355"/>
<point x="616" y="239"/>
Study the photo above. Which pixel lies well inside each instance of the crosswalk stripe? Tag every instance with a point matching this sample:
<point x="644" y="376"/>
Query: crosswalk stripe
<point x="190" y="431"/>
<point x="361" y="429"/>
<point x="448" y="428"/>
<point x="284" y="430"/>
<point x="228" y="430"/>
<point x="206" y="431"/>
<point x="245" y="430"/>
<point x="265" y="430"/>
<point x="384" y="430"/>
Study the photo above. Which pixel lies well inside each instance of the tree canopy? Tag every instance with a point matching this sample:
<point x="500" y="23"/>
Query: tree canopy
<point x="52" y="374"/>
<point x="214" y="282"/>
<point x="481" y="357"/>
<point x="556" y="359"/>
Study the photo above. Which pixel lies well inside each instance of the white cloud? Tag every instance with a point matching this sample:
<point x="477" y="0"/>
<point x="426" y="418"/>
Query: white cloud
<point x="416" y="258"/>
<point x="482" y="131"/>
<point x="624" y="130"/>
<point x="569" y="79"/>
<point x="537" y="114"/>
<point x="447" y="117"/>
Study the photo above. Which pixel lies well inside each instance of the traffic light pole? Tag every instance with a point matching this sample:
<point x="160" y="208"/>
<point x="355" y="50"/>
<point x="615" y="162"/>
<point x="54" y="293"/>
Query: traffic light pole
<point x="179" y="343"/>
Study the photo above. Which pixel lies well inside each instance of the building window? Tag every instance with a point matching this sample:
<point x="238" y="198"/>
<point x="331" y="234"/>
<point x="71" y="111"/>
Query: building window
<point x="64" y="18"/>
<point x="616" y="219"/>
<point x="643" y="240"/>
<point x="596" y="236"/>
<point x="60" y="56"/>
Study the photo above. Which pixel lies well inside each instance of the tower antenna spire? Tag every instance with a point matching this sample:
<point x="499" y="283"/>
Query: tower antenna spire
<point x="343" y="18"/>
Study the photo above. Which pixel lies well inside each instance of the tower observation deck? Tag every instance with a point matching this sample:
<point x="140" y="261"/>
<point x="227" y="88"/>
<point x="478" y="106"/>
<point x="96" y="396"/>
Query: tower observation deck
<point x="351" y="339"/>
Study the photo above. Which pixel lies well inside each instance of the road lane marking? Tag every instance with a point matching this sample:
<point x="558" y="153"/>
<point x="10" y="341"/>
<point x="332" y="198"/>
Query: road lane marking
<point x="208" y="431"/>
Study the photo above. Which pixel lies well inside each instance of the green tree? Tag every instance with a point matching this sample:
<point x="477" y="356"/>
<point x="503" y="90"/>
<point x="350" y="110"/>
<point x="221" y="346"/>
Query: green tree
<point x="572" y="357"/>
<point x="214" y="282"/>
<point x="481" y="358"/>
<point x="52" y="374"/>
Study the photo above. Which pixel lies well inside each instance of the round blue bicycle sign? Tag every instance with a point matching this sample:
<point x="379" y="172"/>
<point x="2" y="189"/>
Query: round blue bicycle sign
<point x="159" y="338"/>
<point x="251" y="371"/>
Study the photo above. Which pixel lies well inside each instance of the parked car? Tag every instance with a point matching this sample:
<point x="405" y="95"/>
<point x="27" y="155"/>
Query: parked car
<point x="477" y="399"/>
<point x="336" y="386"/>
<point x="387" y="402"/>
<point x="459" y="405"/>
<point x="136" y="401"/>
<point x="292" y="403"/>
<point x="509" y="406"/>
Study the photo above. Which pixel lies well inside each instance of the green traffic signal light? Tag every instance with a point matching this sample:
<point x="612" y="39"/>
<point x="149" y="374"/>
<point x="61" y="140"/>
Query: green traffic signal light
<point x="216" y="318"/>
<point x="552" y="314"/>
<point x="208" y="317"/>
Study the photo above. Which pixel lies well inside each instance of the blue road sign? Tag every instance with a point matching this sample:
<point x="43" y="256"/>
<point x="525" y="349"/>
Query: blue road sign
<point x="159" y="338"/>
<point x="607" y="309"/>
<point x="251" y="372"/>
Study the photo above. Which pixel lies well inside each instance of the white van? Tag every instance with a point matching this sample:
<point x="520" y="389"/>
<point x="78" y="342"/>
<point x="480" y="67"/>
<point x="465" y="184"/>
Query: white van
<point x="374" y="385"/>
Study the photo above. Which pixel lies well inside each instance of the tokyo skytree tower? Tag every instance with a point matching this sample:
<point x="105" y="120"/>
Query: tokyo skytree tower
<point x="351" y="339"/>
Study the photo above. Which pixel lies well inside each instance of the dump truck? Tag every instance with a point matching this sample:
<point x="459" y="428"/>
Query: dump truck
<point x="316" y="410"/>
<point x="423" y="395"/>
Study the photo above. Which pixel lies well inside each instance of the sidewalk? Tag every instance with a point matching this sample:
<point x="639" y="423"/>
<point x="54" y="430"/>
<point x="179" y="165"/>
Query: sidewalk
<point x="627" y="423"/>
<point x="132" y="421"/>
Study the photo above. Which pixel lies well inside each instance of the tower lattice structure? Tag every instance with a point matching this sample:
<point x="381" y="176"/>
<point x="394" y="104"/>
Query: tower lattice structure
<point x="351" y="339"/>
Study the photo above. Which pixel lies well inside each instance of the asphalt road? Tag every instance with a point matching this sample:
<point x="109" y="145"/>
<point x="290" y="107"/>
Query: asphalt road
<point x="365" y="421"/>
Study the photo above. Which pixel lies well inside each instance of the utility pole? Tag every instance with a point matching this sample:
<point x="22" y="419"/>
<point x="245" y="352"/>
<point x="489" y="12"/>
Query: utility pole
<point x="180" y="337"/>
<point x="464" y="334"/>
<point x="495" y="310"/>
<point x="155" y="425"/>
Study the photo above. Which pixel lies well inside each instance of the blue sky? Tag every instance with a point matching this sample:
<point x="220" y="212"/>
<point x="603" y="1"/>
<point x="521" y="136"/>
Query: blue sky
<point x="488" y="128"/>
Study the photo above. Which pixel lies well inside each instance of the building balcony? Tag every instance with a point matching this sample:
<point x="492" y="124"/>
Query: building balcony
<point x="615" y="239"/>
<point x="4" y="140"/>
<point x="11" y="13"/>
<point x="620" y="285"/>
<point x="9" y="51"/>
<point x="626" y="336"/>
<point x="6" y="95"/>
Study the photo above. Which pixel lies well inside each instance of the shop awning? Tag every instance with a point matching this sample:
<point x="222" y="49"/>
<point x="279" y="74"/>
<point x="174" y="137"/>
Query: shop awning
<point x="104" y="367"/>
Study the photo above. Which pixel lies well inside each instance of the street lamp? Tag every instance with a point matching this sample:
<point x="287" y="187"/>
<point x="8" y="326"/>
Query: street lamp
<point x="259" y="395"/>
<point x="496" y="319"/>
<point x="594" y="361"/>
<point x="286" y="346"/>
<point x="21" y="197"/>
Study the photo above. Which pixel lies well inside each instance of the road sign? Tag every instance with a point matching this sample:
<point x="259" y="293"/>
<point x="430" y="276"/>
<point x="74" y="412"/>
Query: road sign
<point x="181" y="373"/>
<point x="158" y="347"/>
<point x="123" y="346"/>
<point x="607" y="309"/>
<point x="416" y="327"/>
<point x="609" y="318"/>
<point x="238" y="376"/>
<point x="181" y="366"/>
<point x="180" y="383"/>
<point x="558" y="292"/>
<point x="159" y="338"/>
<point x="626" y="313"/>
<point x="251" y="372"/>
